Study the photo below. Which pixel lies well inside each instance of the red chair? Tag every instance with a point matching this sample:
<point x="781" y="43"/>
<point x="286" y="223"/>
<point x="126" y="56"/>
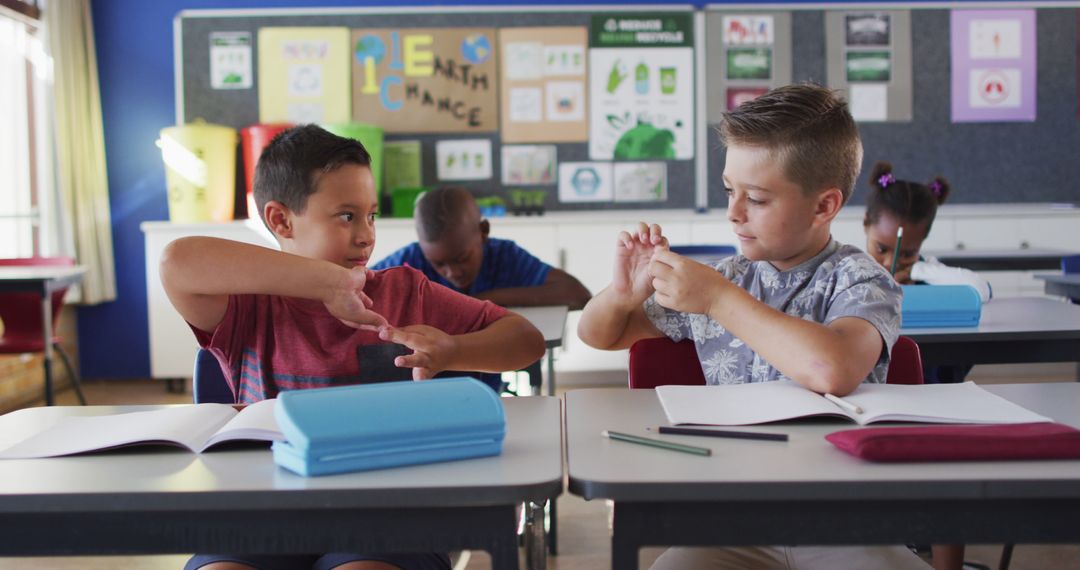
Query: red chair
<point x="21" y="315"/>
<point x="661" y="362"/>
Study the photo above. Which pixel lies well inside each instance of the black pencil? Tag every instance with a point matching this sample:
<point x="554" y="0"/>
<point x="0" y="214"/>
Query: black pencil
<point x="723" y="433"/>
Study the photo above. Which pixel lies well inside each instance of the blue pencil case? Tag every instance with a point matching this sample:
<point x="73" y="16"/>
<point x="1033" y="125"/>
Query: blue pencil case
<point x="930" y="306"/>
<point x="375" y="426"/>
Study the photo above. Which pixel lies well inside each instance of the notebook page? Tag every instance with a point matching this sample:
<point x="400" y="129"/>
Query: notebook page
<point x="742" y="404"/>
<point x="256" y="421"/>
<point x="188" y="426"/>
<point x="964" y="403"/>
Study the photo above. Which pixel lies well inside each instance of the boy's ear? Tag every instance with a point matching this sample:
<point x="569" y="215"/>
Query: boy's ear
<point x="485" y="228"/>
<point x="278" y="218"/>
<point x="828" y="204"/>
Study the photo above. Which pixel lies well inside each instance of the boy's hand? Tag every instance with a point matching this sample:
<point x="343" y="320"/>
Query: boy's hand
<point x="903" y="275"/>
<point x="683" y="284"/>
<point x="432" y="349"/>
<point x="633" y="254"/>
<point x="351" y="306"/>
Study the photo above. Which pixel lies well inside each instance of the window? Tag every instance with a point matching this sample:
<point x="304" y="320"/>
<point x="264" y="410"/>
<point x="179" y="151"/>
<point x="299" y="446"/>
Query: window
<point x="25" y="135"/>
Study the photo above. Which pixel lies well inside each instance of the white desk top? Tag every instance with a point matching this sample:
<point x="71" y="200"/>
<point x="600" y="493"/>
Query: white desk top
<point x="551" y="320"/>
<point x="140" y="478"/>
<point x="1022" y="318"/>
<point x="806" y="467"/>
<point x="39" y="272"/>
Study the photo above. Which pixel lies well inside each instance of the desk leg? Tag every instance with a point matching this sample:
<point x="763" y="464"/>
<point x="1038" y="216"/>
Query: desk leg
<point x="551" y="372"/>
<point x="504" y="550"/>
<point x="624" y="541"/>
<point x="46" y="322"/>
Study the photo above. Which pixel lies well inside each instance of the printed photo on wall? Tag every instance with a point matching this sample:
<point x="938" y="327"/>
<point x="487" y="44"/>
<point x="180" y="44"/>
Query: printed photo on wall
<point x="640" y="182"/>
<point x="586" y="182"/>
<point x="738" y="95"/>
<point x="868" y="66"/>
<point x="749" y="63"/>
<point x="748" y="30"/>
<point x="468" y="159"/>
<point x="532" y="165"/>
<point x="867" y="29"/>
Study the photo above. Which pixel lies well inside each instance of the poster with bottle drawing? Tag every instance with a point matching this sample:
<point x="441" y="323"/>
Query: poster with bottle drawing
<point x="640" y="182"/>
<point x="303" y="75"/>
<point x="543" y="84"/>
<point x="468" y="159"/>
<point x="641" y="87"/>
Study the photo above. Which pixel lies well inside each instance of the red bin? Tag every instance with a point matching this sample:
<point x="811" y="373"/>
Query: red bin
<point x="253" y="140"/>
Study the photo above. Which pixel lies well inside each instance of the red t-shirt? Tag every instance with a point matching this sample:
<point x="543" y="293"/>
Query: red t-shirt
<point x="266" y="344"/>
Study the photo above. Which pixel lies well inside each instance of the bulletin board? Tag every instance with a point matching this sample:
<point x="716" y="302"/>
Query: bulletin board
<point x="200" y="96"/>
<point x="984" y="162"/>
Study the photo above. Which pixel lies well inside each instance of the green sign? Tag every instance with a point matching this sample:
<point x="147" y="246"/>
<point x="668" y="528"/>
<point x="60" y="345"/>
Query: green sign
<point x="642" y="30"/>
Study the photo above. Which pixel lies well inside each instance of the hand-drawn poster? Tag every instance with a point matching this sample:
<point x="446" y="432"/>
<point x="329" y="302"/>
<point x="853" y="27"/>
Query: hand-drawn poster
<point x="586" y="182"/>
<point x="543" y="84"/>
<point x="993" y="65"/>
<point x="531" y="165"/>
<point x="468" y="159"/>
<point x="640" y="182"/>
<point x="303" y="75"/>
<point x="425" y="80"/>
<point x="868" y="58"/>
<point x="641" y="86"/>
<point x="230" y="60"/>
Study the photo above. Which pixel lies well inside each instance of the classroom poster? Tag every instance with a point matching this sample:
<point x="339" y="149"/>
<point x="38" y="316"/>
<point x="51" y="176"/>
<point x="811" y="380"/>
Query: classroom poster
<point x="543" y="84"/>
<point x="401" y="165"/>
<point x="868" y="58"/>
<point x="993" y="65"/>
<point x="425" y="80"/>
<point x="468" y="159"/>
<point x="586" y="182"/>
<point x="531" y="165"/>
<point x="641" y="86"/>
<point x="640" y="181"/>
<point x="304" y="75"/>
<point x="748" y="53"/>
<point x="230" y="60"/>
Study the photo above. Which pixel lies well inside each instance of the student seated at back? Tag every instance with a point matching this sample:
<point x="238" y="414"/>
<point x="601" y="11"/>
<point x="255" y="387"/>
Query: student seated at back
<point x="292" y="319"/>
<point x="794" y="305"/>
<point x="454" y="249"/>
<point x="894" y="204"/>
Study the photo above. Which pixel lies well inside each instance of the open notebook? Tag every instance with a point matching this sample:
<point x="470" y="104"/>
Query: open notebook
<point x="195" y="427"/>
<point x="744" y="404"/>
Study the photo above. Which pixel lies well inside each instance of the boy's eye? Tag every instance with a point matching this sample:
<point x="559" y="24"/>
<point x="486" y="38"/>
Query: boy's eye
<point x="346" y="216"/>
<point x="728" y="191"/>
<point x="755" y="201"/>
<point x="372" y="216"/>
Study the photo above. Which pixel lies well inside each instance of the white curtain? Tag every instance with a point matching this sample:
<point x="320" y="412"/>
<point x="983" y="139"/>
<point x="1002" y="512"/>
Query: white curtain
<point x="81" y="214"/>
<point x="21" y="78"/>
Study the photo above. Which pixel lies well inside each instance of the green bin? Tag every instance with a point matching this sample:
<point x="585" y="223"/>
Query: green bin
<point x="371" y="137"/>
<point x="403" y="201"/>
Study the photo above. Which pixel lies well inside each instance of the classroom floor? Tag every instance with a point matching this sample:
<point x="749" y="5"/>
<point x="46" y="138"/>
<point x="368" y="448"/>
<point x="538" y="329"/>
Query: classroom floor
<point x="583" y="525"/>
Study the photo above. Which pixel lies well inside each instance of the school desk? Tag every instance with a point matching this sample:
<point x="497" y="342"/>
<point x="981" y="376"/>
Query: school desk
<point x="41" y="280"/>
<point x="1032" y="259"/>
<point x="1062" y="285"/>
<point x="551" y="320"/>
<point x="141" y="501"/>
<point x="1012" y="330"/>
<point x="805" y="491"/>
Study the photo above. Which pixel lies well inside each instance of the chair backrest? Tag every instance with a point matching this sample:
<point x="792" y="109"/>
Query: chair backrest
<point x="905" y="365"/>
<point x="208" y="384"/>
<point x="660" y="362"/>
<point x="1070" y="264"/>
<point x="21" y="312"/>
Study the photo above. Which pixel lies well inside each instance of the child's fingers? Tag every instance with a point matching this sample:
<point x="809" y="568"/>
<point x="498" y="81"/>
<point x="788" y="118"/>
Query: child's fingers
<point x="422" y="374"/>
<point x="655" y="234"/>
<point x="643" y="232"/>
<point x="660" y="269"/>
<point x="366" y="300"/>
<point x="626" y="240"/>
<point x="414" y="360"/>
<point x="413" y="339"/>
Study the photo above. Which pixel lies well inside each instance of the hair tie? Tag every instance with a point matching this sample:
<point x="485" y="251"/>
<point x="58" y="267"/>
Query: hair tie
<point x="885" y="179"/>
<point x="935" y="187"/>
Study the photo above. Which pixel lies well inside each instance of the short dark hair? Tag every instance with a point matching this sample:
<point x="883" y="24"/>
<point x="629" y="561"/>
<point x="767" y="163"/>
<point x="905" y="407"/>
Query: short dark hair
<point x="808" y="128"/>
<point x="291" y="165"/>
<point x="441" y="211"/>
<point x="910" y="202"/>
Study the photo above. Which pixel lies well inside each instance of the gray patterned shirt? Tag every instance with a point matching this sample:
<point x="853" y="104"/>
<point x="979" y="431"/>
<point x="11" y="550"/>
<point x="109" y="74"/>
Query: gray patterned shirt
<point x="841" y="281"/>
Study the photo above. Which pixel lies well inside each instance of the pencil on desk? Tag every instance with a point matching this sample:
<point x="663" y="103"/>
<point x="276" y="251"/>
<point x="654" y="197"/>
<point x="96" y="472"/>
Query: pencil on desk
<point x="843" y="403"/>
<point x="675" y="430"/>
<point x="896" y="250"/>
<point x="656" y="443"/>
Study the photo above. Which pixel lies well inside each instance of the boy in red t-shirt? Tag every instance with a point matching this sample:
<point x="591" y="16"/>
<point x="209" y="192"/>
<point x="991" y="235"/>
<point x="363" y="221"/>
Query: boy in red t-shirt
<point x="290" y="319"/>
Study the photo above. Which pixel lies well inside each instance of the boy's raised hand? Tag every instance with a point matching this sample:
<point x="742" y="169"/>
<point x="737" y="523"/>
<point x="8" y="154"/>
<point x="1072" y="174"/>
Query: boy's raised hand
<point x="351" y="305"/>
<point x="633" y="254"/>
<point x="683" y="284"/>
<point x="432" y="349"/>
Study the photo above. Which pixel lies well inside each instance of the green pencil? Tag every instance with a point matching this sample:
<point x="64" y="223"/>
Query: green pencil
<point x="656" y="443"/>
<point x="896" y="250"/>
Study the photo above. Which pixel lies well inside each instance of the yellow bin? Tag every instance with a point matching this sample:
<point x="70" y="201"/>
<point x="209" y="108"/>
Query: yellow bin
<point x="371" y="137"/>
<point x="200" y="171"/>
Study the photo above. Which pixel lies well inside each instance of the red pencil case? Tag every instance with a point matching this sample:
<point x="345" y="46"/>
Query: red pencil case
<point x="961" y="443"/>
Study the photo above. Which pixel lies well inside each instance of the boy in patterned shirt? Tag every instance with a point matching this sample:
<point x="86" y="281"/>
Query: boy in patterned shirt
<point x="295" y="318"/>
<point x="795" y="305"/>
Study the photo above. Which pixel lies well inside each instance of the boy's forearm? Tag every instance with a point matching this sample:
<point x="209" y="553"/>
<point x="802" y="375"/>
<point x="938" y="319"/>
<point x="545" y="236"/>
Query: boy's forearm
<point x="213" y="266"/>
<point x="510" y="343"/>
<point x="604" y="321"/>
<point x="808" y="352"/>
